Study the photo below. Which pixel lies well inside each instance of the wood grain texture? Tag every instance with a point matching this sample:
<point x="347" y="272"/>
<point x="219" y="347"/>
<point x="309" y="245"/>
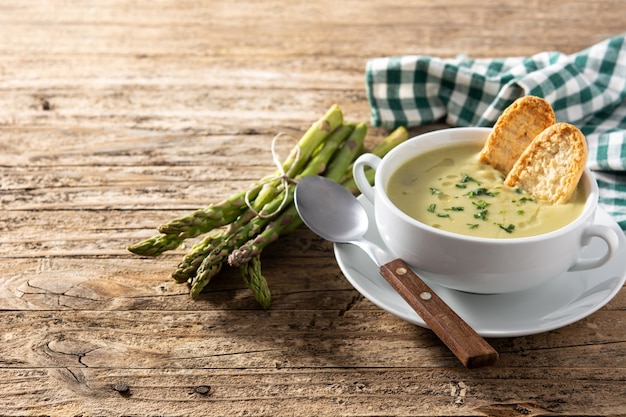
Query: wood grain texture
<point x="117" y="116"/>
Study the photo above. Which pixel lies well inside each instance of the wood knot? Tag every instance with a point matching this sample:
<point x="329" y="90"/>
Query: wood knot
<point x="203" y="389"/>
<point x="121" y="388"/>
<point x="44" y="103"/>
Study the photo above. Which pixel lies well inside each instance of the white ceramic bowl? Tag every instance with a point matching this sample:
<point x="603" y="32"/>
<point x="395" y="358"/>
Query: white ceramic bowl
<point x="473" y="264"/>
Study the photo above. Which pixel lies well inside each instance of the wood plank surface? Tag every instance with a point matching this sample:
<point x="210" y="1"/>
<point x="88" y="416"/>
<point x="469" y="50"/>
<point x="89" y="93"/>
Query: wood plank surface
<point x="117" y="116"/>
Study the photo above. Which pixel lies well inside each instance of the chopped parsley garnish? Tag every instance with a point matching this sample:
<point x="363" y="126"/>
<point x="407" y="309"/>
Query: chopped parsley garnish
<point x="481" y="191"/>
<point x="508" y="229"/>
<point x="435" y="191"/>
<point x="466" y="178"/>
<point x="481" y="204"/>
<point x="432" y="208"/>
<point x="458" y="208"/>
<point x="482" y="214"/>
<point x="472" y="225"/>
<point x="443" y="215"/>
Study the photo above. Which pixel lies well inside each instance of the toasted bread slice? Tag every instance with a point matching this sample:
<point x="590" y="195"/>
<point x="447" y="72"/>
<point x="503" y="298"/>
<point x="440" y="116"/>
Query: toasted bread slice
<point x="516" y="127"/>
<point x="552" y="165"/>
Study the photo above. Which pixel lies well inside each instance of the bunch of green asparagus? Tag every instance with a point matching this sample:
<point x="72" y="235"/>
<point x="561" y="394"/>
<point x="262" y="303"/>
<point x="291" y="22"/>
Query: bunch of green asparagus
<point x="238" y="228"/>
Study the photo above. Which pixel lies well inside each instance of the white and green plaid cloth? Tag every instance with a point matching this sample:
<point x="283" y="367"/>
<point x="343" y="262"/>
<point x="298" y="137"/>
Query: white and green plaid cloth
<point x="586" y="89"/>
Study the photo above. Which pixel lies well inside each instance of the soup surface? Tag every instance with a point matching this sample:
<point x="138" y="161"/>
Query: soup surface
<point x="451" y="190"/>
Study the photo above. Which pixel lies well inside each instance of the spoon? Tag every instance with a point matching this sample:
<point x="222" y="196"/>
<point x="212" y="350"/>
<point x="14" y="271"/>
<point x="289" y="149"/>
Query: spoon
<point x="336" y="215"/>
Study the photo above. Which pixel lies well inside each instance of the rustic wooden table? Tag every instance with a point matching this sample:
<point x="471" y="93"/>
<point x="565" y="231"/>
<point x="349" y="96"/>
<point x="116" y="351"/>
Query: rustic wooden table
<point x="116" y="116"/>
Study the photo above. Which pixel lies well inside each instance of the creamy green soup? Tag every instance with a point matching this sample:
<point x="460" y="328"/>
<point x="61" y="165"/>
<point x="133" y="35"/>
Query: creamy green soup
<point x="451" y="190"/>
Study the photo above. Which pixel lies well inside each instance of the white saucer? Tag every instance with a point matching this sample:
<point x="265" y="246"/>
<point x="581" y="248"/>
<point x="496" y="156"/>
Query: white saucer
<point x="566" y="299"/>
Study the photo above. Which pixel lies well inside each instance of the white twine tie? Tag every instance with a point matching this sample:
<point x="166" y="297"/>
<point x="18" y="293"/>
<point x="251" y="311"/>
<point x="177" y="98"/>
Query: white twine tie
<point x="282" y="176"/>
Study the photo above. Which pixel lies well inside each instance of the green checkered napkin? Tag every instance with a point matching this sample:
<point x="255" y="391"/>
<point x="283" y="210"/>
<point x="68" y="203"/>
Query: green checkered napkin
<point x="586" y="89"/>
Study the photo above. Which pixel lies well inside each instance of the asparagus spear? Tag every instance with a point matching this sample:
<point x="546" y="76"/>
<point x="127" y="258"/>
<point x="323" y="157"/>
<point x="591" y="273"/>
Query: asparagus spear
<point x="391" y="141"/>
<point x="156" y="245"/>
<point x="255" y="281"/>
<point x="172" y="234"/>
<point x="352" y="147"/>
<point x="321" y="159"/>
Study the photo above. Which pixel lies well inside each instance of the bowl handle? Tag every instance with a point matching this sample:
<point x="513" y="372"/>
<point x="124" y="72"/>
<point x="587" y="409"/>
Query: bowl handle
<point x="605" y="233"/>
<point x="367" y="160"/>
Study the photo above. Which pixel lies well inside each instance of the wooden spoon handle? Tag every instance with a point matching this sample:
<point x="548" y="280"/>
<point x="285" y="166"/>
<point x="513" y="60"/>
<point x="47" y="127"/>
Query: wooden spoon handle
<point x="472" y="350"/>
